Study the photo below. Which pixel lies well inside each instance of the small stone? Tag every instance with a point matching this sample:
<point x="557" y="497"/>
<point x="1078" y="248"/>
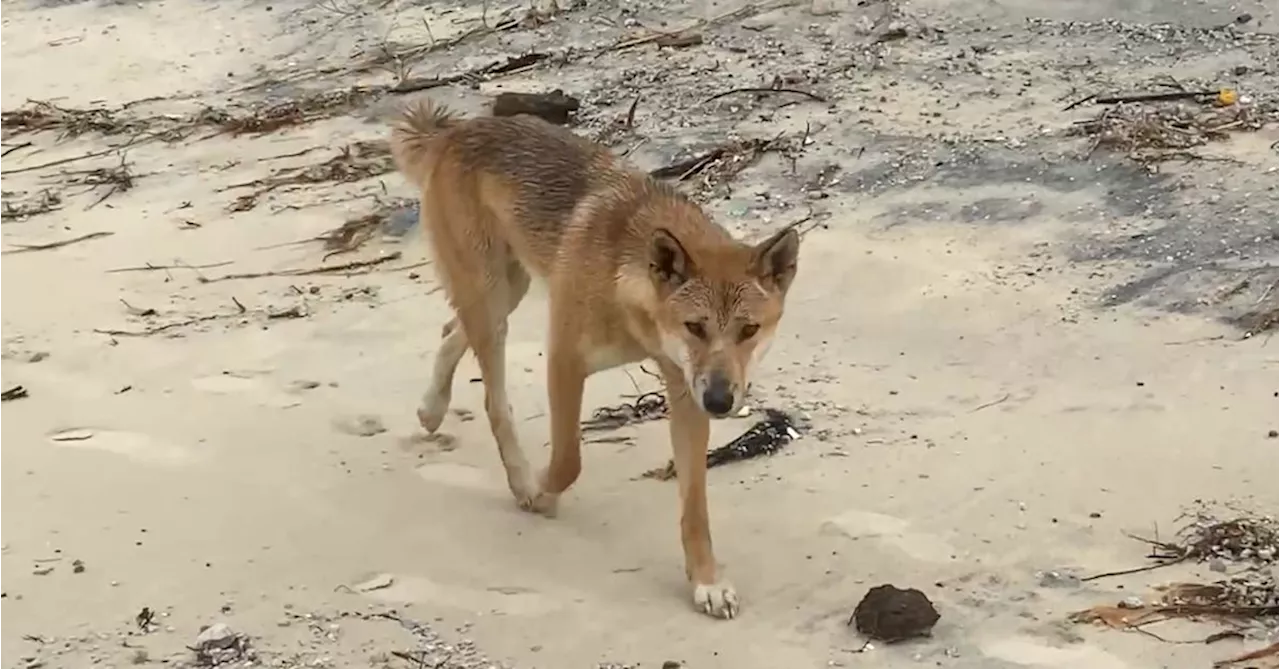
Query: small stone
<point x="218" y="636"/>
<point x="1131" y="603"/>
<point x="42" y="570"/>
<point x="1058" y="579"/>
<point x="1218" y="565"/>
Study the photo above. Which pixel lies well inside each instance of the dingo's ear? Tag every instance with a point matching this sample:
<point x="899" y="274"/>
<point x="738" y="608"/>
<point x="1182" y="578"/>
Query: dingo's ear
<point x="775" y="258"/>
<point x="669" y="263"/>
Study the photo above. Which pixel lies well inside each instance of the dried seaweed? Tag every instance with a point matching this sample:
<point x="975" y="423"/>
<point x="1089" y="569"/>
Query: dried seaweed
<point x="1246" y="539"/>
<point x="1154" y="131"/>
<point x="717" y="166"/>
<point x="1258" y="321"/>
<point x="39" y="115"/>
<point x="766" y="437"/>
<point x="1247" y="597"/>
<point x="269" y="117"/>
<point x="353" y="233"/>
<point x="355" y="162"/>
<point x="1250" y="539"/>
<point x="647" y="407"/>
<point x="117" y="179"/>
<point x="18" y="209"/>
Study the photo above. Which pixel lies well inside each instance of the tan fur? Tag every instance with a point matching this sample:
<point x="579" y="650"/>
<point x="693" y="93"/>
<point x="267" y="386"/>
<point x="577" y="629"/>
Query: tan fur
<point x="634" y="271"/>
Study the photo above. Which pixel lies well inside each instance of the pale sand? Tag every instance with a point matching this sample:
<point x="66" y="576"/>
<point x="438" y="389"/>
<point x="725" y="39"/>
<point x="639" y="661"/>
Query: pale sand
<point x="978" y="419"/>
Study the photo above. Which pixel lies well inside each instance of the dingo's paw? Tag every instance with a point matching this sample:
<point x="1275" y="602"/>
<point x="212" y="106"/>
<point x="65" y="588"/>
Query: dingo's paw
<point x="718" y="600"/>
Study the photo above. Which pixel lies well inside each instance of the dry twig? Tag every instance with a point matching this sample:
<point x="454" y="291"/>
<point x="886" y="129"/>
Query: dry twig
<point x="26" y="248"/>
<point x="312" y="271"/>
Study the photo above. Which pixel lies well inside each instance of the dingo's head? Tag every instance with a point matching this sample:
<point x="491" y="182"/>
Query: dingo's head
<point x="720" y="303"/>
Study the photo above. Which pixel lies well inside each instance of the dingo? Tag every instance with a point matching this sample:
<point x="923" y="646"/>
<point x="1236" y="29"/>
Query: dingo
<point x="634" y="271"/>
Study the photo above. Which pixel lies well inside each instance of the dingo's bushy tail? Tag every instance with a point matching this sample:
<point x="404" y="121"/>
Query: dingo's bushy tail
<point x="413" y="134"/>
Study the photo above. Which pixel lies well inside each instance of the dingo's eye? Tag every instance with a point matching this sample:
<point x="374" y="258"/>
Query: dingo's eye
<point x="696" y="329"/>
<point x="748" y="331"/>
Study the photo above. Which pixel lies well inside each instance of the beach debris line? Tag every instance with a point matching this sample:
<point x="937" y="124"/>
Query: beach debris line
<point x="766" y="437"/>
<point x="1154" y="127"/>
<point x="891" y="614"/>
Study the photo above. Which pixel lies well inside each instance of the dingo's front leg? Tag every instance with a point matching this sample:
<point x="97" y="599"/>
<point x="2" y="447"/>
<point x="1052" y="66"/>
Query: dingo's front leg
<point x="690" y="431"/>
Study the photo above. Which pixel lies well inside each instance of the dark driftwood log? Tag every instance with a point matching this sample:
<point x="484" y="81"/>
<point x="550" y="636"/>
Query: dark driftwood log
<point x="554" y="107"/>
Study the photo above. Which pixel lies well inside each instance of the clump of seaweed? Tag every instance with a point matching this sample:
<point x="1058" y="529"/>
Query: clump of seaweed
<point x="355" y="162"/>
<point x="269" y="117"/>
<point x="117" y="178"/>
<point x="647" y="407"/>
<point x="353" y="233"/>
<point x="1247" y="539"/>
<point x="39" y="116"/>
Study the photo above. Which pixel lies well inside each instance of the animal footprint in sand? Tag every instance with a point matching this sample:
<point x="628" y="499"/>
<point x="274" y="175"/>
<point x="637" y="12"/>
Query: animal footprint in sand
<point x="133" y="445"/>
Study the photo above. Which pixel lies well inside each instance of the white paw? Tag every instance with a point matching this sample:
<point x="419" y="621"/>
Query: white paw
<point x="718" y="600"/>
<point x="431" y="415"/>
<point x="545" y="503"/>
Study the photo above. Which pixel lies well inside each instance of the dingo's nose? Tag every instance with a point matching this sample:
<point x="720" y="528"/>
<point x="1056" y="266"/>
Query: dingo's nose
<point x="717" y="399"/>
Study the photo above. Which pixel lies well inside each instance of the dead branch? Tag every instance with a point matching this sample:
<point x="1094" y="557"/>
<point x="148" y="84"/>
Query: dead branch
<point x="25" y="248"/>
<point x="495" y="68"/>
<point x="155" y="268"/>
<point x="1268" y="652"/>
<point x="765" y="91"/>
<point x="358" y="264"/>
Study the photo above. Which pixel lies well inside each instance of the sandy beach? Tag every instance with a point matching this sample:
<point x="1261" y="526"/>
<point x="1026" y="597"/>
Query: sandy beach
<point x="1014" y="340"/>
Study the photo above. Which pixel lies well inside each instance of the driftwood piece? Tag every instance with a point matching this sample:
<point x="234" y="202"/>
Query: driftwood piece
<point x="554" y="107"/>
